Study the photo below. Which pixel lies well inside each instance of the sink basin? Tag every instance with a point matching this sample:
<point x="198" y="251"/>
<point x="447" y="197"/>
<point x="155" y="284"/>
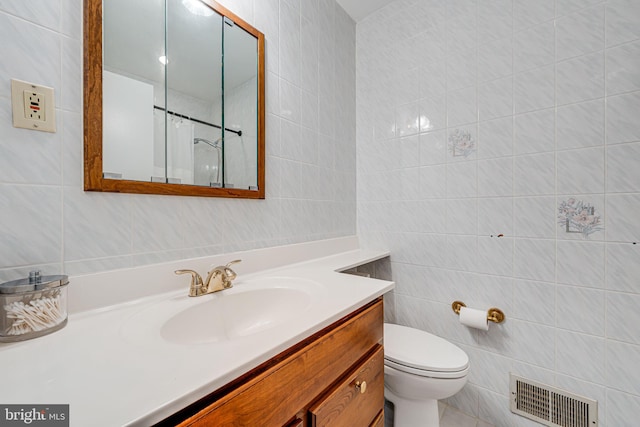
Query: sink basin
<point x="235" y="315"/>
<point x="250" y="307"/>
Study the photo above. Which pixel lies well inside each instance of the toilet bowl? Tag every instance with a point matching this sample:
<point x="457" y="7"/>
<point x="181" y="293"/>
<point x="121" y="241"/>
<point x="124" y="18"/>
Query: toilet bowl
<point x="419" y="369"/>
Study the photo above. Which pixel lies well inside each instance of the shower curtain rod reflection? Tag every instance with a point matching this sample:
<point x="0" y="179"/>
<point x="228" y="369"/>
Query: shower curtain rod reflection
<point x="173" y="113"/>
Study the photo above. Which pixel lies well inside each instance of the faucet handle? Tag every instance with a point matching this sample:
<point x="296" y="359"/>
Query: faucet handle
<point x="196" y="281"/>
<point x="229" y="272"/>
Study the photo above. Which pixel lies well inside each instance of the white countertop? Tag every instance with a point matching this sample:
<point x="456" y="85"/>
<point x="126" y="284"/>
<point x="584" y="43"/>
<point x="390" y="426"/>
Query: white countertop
<point x="111" y="371"/>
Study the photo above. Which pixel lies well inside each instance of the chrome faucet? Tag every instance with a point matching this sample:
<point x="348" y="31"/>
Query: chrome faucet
<point x="218" y="279"/>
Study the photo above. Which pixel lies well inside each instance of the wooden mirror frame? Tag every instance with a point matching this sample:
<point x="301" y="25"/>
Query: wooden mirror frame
<point x="93" y="178"/>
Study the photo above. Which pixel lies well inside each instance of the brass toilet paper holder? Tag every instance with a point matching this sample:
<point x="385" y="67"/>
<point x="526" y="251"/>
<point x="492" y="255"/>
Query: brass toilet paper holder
<point x="493" y="314"/>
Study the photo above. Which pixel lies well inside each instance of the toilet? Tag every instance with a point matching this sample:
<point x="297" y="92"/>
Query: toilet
<point x="419" y="369"/>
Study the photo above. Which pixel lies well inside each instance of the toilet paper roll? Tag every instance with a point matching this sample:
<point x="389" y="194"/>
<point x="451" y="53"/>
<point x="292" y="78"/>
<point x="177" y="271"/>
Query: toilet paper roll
<point x="474" y="318"/>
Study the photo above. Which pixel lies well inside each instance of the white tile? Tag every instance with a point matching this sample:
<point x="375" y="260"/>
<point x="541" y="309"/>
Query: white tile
<point x="534" y="302"/>
<point x="621" y="121"/>
<point x="432" y="79"/>
<point x="495" y="99"/>
<point x="433" y="113"/>
<point x="462" y="180"/>
<point x="28" y="156"/>
<point x="432" y="216"/>
<point x="495" y="177"/>
<point x="527" y="13"/>
<point x="289" y="101"/>
<point x="581" y="171"/>
<point x="623" y="175"/>
<point x="581" y="263"/>
<point x="532" y="343"/>
<point x="580" y="33"/>
<point x="580" y="356"/>
<point x="534" y="47"/>
<point x="534" y="217"/>
<point x="272" y="89"/>
<point x="72" y="154"/>
<point x="461" y="252"/>
<point x="623" y="317"/>
<point x="495" y="216"/>
<point x="71" y="91"/>
<point x="622" y="408"/>
<point x="461" y="216"/>
<point x="534" y="132"/>
<point x="461" y="31"/>
<point x="409" y="151"/>
<point x="309" y="55"/>
<point x="385" y="123"/>
<point x="495" y="59"/>
<point x="407" y="119"/>
<point x="534" y="175"/>
<point x="494" y="408"/>
<point x="432" y="182"/>
<point x="535" y="259"/>
<point x="580" y="309"/>
<point x="290" y="143"/>
<point x="461" y="69"/>
<point x="621" y="225"/>
<point x="495" y="138"/>
<point x="96" y="217"/>
<point x="623" y="267"/>
<point x="466" y="400"/>
<point x="29" y="225"/>
<point x="495" y="255"/>
<point x="156" y="225"/>
<point x="433" y="147"/>
<point x="565" y="7"/>
<point x="309" y="110"/>
<point x="289" y="43"/>
<point x="580" y="79"/>
<point x="41" y="12"/>
<point x="622" y="361"/>
<point x="580" y="125"/>
<point x="495" y="19"/>
<point x="462" y="107"/>
<point x="534" y="90"/>
<point x="622" y="62"/>
<point x="42" y="69"/>
<point x="492" y="374"/>
<point x="622" y="21"/>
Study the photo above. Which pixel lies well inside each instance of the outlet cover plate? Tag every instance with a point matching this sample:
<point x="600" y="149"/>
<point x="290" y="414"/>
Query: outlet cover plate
<point x="44" y="118"/>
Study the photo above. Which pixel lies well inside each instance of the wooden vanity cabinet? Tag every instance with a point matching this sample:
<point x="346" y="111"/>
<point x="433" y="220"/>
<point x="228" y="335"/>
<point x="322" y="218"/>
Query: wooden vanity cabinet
<point x="333" y="378"/>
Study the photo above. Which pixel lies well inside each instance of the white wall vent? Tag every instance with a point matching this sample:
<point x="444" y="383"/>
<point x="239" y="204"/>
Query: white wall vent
<point x="551" y="406"/>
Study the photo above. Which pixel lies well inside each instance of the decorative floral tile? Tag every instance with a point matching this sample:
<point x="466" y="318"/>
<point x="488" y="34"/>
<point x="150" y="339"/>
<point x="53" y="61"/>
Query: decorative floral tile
<point x="579" y="217"/>
<point x="461" y="143"/>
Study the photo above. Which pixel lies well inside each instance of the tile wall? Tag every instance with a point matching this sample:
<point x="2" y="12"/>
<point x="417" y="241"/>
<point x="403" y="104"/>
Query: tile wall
<point x="49" y="222"/>
<point x="498" y="145"/>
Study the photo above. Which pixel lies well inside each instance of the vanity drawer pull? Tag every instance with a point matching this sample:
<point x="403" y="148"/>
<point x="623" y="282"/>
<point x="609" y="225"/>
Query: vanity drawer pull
<point x="346" y="403"/>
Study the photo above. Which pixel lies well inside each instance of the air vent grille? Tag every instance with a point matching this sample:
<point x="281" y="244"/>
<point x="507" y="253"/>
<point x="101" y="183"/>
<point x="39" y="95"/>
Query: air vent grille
<point x="551" y="406"/>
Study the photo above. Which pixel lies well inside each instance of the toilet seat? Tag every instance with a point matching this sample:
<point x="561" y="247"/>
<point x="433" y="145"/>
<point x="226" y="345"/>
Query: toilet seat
<point x="421" y="353"/>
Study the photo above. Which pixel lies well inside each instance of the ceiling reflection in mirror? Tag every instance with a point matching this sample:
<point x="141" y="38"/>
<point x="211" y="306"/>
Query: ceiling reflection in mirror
<point x="182" y="100"/>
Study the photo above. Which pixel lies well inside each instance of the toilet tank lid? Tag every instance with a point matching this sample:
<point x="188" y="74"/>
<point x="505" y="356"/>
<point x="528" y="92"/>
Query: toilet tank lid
<point x="422" y="350"/>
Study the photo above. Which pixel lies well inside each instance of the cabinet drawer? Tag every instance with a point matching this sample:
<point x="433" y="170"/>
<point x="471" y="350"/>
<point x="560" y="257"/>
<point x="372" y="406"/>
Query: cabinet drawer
<point x="357" y="400"/>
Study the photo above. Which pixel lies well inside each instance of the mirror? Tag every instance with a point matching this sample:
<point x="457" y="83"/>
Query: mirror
<point x="174" y="99"/>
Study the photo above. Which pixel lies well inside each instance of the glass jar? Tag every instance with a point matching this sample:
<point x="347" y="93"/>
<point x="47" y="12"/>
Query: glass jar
<point x="32" y="307"/>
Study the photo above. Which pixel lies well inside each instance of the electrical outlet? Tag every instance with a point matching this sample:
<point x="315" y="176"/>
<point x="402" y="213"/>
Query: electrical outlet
<point x="33" y="106"/>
